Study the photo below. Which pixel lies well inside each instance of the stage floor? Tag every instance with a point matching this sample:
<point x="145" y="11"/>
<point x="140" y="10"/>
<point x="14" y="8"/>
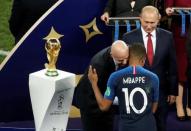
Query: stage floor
<point x="74" y="124"/>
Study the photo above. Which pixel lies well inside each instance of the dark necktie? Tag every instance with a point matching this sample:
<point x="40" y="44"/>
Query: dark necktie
<point x="150" y="49"/>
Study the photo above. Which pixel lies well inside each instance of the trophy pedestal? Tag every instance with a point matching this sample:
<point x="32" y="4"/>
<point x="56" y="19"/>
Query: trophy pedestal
<point x="51" y="99"/>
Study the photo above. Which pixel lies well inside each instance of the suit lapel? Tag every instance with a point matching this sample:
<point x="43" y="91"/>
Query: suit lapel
<point x="140" y="35"/>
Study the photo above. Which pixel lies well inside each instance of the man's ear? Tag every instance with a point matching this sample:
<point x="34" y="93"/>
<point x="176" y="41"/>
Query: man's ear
<point x="159" y="17"/>
<point x="143" y="60"/>
<point x="111" y="54"/>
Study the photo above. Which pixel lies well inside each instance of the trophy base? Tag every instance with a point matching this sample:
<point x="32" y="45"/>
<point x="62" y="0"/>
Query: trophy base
<point x="51" y="73"/>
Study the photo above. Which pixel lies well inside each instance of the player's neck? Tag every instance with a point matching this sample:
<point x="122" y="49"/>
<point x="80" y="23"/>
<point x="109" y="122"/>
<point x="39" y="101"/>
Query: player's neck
<point x="135" y="63"/>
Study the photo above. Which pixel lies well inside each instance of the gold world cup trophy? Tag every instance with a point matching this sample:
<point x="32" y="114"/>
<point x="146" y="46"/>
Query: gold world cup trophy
<point x="52" y="47"/>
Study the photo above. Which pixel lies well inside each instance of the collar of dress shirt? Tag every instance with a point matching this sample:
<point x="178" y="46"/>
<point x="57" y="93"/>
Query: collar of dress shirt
<point x="145" y="38"/>
<point x="153" y="33"/>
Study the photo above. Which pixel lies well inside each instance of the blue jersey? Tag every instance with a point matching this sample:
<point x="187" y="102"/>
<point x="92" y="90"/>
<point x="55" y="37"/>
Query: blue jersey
<point x="136" y="89"/>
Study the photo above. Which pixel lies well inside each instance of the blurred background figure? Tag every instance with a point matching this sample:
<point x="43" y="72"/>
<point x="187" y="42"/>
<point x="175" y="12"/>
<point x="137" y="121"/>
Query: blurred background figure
<point x="123" y="8"/>
<point x="180" y="40"/>
<point x="160" y="5"/>
<point x="25" y="13"/>
<point x="188" y="47"/>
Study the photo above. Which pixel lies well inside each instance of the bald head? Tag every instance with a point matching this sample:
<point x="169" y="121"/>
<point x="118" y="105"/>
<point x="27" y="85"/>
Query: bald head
<point x="120" y="52"/>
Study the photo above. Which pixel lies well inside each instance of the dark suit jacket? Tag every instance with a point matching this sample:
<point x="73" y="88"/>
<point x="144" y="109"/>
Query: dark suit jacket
<point x="84" y="95"/>
<point x="25" y="13"/>
<point x="122" y="8"/>
<point x="164" y="64"/>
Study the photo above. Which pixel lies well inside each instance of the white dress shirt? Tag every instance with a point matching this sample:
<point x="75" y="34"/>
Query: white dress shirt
<point x="132" y="4"/>
<point x="145" y="39"/>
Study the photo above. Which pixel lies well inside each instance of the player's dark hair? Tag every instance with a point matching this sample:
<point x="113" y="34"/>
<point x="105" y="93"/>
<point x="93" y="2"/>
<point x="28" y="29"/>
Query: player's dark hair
<point x="137" y="50"/>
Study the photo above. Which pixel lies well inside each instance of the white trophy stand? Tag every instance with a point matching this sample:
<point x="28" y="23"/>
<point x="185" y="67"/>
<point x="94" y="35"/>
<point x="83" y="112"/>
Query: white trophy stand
<point x="51" y="99"/>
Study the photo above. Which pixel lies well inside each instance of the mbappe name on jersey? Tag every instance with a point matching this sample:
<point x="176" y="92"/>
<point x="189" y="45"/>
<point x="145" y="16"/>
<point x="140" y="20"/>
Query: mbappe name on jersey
<point x="133" y="80"/>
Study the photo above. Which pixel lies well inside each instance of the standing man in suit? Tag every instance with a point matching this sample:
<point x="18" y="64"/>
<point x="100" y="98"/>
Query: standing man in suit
<point x="161" y="59"/>
<point x="105" y="62"/>
<point x="25" y="13"/>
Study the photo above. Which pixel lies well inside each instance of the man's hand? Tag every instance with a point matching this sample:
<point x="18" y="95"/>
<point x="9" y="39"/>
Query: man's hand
<point x="171" y="99"/>
<point x="92" y="75"/>
<point x="169" y="11"/>
<point x="105" y="17"/>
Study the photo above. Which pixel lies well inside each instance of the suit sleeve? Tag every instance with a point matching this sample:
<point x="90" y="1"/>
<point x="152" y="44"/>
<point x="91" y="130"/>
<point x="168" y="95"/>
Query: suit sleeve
<point x="173" y="72"/>
<point x="109" y="7"/>
<point x="102" y="76"/>
<point x="16" y="17"/>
